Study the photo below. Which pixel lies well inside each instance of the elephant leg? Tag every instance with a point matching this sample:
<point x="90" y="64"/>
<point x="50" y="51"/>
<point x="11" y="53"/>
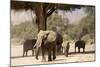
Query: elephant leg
<point x="75" y="49"/>
<point x="23" y="53"/>
<point x="78" y="50"/>
<point x="43" y="52"/>
<point x="67" y="50"/>
<point x="26" y="52"/>
<point x="67" y="53"/>
<point x="59" y="49"/>
<point x="54" y="53"/>
<point x="83" y="49"/>
<point x="32" y="52"/>
<point x="49" y="55"/>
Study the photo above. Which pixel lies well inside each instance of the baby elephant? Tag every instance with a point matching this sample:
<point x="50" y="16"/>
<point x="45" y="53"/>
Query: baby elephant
<point x="28" y="45"/>
<point x="80" y="44"/>
<point x="65" y="48"/>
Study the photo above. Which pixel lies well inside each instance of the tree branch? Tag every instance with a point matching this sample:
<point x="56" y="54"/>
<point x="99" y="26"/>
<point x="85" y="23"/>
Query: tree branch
<point x="50" y="11"/>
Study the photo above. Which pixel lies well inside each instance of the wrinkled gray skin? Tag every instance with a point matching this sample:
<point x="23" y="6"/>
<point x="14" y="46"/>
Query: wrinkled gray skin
<point x="59" y="43"/>
<point x="28" y="45"/>
<point x="47" y="41"/>
<point x="80" y="44"/>
<point x="65" y="49"/>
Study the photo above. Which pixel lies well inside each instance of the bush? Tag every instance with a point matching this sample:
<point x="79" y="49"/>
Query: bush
<point x="26" y="30"/>
<point x="66" y="37"/>
<point x="88" y="37"/>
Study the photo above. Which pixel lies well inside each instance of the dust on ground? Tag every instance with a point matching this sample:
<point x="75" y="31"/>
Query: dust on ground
<point x="17" y="59"/>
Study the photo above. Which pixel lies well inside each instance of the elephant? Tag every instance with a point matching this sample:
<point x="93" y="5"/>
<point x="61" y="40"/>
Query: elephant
<point x="47" y="41"/>
<point x="28" y="45"/>
<point x="65" y="48"/>
<point x="59" y="43"/>
<point x="80" y="44"/>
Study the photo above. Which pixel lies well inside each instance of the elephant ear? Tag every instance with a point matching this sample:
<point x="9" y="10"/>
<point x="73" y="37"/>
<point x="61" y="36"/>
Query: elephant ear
<point x="51" y="36"/>
<point x="42" y="35"/>
<point x="39" y="39"/>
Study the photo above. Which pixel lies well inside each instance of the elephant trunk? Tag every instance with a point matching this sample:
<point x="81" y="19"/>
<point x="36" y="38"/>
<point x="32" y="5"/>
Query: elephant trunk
<point x="37" y="47"/>
<point x="37" y="52"/>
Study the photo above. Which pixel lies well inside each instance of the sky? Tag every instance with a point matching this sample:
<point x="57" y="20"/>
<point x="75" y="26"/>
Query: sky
<point x="18" y="17"/>
<point x="73" y="16"/>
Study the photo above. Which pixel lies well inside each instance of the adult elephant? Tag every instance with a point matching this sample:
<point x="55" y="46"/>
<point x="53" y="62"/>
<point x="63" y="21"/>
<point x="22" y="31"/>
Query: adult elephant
<point x="46" y="40"/>
<point x="28" y="45"/>
<point x="80" y="44"/>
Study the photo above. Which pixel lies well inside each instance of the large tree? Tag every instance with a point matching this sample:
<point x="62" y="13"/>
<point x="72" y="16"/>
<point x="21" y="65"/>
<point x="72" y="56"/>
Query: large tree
<point x="42" y="10"/>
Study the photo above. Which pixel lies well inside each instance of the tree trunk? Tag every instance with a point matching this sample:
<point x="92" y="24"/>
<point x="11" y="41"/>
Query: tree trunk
<point x="41" y="18"/>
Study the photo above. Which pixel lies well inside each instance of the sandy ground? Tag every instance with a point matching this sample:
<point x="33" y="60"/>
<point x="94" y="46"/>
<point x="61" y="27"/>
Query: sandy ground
<point x="17" y="59"/>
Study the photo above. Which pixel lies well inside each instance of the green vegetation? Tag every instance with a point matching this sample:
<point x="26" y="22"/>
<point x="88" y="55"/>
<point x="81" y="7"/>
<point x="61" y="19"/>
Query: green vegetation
<point x="26" y="30"/>
<point x="85" y="27"/>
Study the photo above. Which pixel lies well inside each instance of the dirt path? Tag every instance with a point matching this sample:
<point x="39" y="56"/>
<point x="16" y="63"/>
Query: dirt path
<point x="17" y="59"/>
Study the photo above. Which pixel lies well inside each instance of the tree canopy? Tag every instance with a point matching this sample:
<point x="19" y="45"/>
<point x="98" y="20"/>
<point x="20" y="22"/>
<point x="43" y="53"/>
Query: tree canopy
<point x="44" y="10"/>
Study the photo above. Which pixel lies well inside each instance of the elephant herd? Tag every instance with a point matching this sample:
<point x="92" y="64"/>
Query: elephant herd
<point x="49" y="42"/>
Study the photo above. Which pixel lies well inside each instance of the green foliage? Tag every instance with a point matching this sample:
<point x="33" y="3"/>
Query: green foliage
<point x="88" y="23"/>
<point x="72" y="30"/>
<point x="66" y="37"/>
<point x="54" y="20"/>
<point x="25" y="30"/>
<point x="88" y="36"/>
<point x="28" y="30"/>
